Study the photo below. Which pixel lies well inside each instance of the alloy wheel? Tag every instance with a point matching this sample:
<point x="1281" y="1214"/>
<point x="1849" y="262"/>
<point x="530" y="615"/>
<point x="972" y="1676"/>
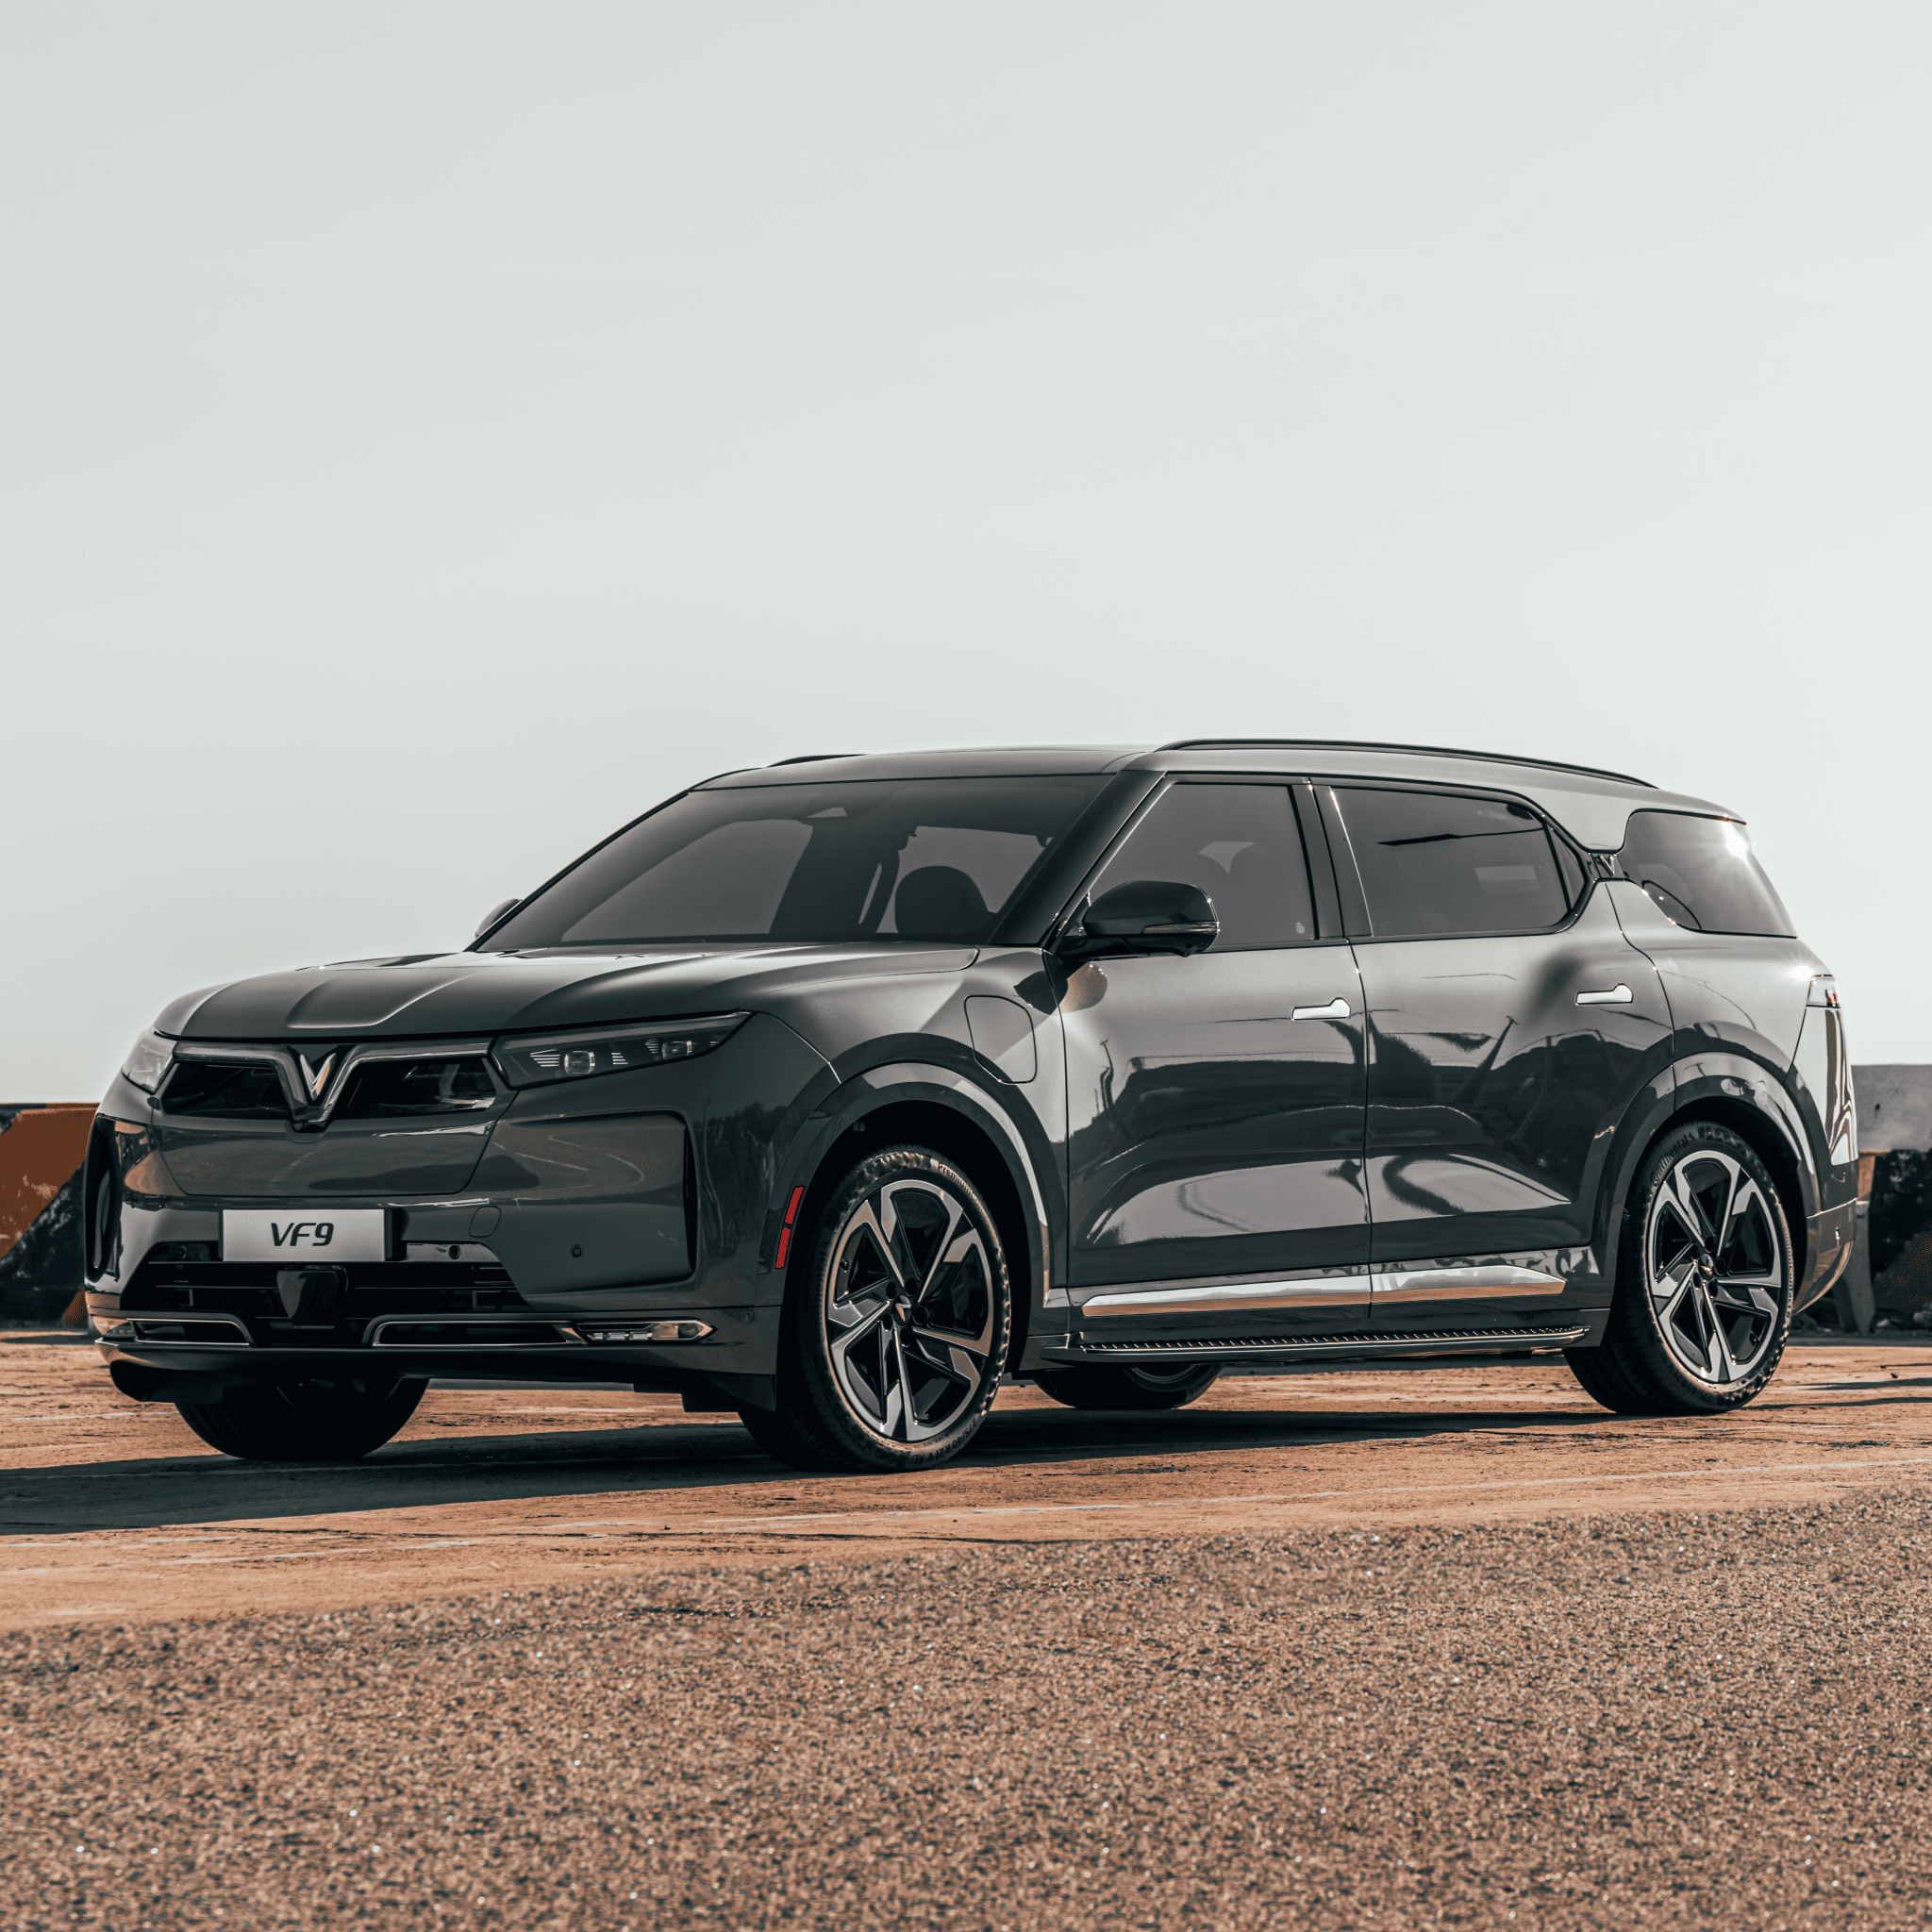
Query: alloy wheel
<point x="1714" y="1267"/>
<point x="910" y="1310"/>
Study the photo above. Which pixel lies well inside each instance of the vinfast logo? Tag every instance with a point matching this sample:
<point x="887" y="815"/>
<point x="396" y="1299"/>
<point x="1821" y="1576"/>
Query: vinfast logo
<point x="315" y="1078"/>
<point x="318" y="1234"/>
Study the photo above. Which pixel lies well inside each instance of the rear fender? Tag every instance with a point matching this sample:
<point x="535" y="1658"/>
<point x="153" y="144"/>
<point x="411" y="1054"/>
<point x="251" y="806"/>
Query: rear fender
<point x="1744" y="1095"/>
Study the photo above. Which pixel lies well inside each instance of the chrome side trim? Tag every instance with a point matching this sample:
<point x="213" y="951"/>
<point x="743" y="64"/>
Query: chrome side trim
<point x="566" y="1335"/>
<point x="124" y="1328"/>
<point x="1380" y="1286"/>
<point x="1496" y="1282"/>
<point x="1336" y="1292"/>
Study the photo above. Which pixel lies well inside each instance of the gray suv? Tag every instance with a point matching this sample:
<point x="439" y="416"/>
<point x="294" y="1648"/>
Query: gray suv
<point x="833" y="1093"/>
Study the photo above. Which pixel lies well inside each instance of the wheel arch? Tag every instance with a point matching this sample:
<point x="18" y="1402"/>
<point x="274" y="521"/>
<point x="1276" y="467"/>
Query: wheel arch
<point x="1743" y="1096"/>
<point x="941" y="1109"/>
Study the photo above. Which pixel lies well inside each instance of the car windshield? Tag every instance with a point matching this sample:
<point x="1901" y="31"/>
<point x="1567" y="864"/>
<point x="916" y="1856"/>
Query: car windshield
<point x="923" y="858"/>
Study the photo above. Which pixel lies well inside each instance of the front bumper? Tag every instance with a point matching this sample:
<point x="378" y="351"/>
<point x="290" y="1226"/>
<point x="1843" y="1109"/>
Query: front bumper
<point x="193" y="1354"/>
<point x="617" y="1201"/>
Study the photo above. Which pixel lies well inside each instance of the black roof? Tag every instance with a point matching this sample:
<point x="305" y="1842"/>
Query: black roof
<point x="1591" y="805"/>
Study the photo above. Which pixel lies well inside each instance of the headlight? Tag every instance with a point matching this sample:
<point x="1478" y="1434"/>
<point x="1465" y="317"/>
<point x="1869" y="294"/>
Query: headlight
<point x="148" y="1061"/>
<point x="529" y="1059"/>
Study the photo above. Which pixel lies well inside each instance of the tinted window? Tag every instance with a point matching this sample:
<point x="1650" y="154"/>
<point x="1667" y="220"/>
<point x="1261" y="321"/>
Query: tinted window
<point x="928" y="859"/>
<point x="1239" y="845"/>
<point x="1433" y="863"/>
<point x="1702" y="872"/>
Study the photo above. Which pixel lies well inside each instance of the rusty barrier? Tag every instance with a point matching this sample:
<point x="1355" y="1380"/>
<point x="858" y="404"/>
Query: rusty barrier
<point x="41" y="1151"/>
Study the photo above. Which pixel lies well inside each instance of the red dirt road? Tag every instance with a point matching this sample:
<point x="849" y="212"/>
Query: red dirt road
<point x="112" y="1509"/>
<point x="1396" y="1650"/>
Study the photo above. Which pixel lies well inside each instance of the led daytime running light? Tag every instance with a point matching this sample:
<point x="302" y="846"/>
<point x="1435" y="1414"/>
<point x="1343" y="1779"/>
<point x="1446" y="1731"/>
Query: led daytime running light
<point x="537" y="1059"/>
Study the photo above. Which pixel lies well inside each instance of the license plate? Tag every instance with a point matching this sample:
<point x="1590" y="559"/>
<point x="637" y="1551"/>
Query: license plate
<point x="293" y="1235"/>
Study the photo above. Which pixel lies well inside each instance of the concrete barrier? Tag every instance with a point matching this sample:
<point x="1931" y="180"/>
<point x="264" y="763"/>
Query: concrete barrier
<point x="1890" y="1278"/>
<point x="42" y="1149"/>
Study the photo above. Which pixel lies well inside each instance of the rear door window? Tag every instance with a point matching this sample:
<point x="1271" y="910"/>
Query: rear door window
<point x="1702" y="873"/>
<point x="1241" y="845"/>
<point x="1438" y="862"/>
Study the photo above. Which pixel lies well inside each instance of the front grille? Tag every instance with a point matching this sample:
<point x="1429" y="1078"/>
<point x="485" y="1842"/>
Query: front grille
<point x="404" y="1090"/>
<point x="472" y="1335"/>
<point x="372" y="1287"/>
<point x="374" y="1089"/>
<point x="222" y="1089"/>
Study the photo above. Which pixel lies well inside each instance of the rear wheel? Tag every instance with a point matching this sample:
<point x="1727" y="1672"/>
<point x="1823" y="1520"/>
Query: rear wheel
<point x="1705" y="1282"/>
<point x="306" y="1421"/>
<point x="896" y="1331"/>
<point x="1129" y="1388"/>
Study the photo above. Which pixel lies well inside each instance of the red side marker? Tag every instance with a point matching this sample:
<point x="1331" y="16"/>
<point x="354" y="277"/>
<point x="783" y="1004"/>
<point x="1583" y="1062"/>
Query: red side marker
<point x="785" y="1233"/>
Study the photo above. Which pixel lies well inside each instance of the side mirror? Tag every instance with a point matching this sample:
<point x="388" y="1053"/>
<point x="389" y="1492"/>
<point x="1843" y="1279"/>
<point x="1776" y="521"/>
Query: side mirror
<point x="494" y="915"/>
<point x="1146" y="916"/>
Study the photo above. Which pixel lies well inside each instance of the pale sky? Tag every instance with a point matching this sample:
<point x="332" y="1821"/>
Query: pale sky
<point x="431" y="433"/>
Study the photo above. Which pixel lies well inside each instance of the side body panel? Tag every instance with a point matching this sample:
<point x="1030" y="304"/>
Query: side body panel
<point x="1491" y="1102"/>
<point x="1212" y="1134"/>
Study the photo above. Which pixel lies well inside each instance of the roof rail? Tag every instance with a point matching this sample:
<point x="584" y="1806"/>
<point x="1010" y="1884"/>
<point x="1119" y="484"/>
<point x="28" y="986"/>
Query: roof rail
<point x="809" y="757"/>
<point x="1434" y="751"/>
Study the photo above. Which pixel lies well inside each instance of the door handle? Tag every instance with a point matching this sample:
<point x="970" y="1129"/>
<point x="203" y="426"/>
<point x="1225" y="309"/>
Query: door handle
<point x="1335" y="1009"/>
<point x="1619" y="995"/>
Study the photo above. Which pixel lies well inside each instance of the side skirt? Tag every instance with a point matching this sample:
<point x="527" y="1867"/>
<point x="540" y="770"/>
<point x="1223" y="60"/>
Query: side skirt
<point x="1545" y="1335"/>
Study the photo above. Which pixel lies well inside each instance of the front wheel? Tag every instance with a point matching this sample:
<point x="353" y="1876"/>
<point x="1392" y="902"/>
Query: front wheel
<point x="306" y="1421"/>
<point x="1129" y="1388"/>
<point x="1705" y="1282"/>
<point x="895" y="1330"/>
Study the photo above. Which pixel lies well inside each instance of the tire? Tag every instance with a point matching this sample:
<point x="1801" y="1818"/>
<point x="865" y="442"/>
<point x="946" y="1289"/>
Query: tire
<point x="777" y="1438"/>
<point x="896" y="1331"/>
<point x="1604" y="1383"/>
<point x="305" y="1422"/>
<point x="1125" y="1387"/>
<point x="1705" y="1280"/>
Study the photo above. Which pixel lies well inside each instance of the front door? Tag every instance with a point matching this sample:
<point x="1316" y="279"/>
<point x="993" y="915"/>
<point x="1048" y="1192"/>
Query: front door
<point x="1511" y="1025"/>
<point x="1215" y="1102"/>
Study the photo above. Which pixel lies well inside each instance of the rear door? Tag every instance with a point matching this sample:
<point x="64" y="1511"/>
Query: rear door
<point x="1216" y="1102"/>
<point x="1511" y="1025"/>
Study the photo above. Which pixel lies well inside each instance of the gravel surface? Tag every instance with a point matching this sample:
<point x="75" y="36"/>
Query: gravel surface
<point x="1595" y="1721"/>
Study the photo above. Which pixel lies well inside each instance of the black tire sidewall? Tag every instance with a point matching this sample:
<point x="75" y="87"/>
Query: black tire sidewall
<point x="1108" y="1384"/>
<point x="810" y="1398"/>
<point x="1637" y="1335"/>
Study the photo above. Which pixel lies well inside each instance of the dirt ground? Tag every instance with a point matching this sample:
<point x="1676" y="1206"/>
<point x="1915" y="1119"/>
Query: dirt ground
<point x="1391" y="1648"/>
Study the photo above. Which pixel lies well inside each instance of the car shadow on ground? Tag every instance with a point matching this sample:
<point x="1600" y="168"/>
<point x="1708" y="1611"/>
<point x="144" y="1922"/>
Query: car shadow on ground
<point x="427" y="1468"/>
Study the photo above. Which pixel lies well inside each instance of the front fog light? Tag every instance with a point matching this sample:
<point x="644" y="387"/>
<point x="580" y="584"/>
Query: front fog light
<point x="531" y="1059"/>
<point x="680" y="1330"/>
<point x="147" y="1062"/>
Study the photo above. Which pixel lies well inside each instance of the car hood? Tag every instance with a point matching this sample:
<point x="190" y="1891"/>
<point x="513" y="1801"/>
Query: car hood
<point x="450" y="994"/>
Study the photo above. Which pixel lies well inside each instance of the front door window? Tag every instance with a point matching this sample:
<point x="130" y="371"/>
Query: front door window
<point x="1212" y="1135"/>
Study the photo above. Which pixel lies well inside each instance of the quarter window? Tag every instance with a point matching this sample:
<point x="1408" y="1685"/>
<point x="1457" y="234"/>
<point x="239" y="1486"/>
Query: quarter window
<point x="1702" y="872"/>
<point x="1436" y="863"/>
<point x="1239" y="845"/>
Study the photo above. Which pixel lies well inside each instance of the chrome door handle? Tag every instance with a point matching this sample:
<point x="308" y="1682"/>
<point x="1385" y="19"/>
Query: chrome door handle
<point x="1335" y="1009"/>
<point x="1619" y="995"/>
